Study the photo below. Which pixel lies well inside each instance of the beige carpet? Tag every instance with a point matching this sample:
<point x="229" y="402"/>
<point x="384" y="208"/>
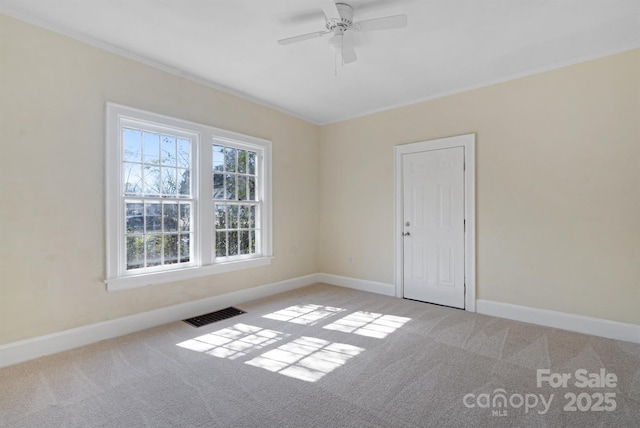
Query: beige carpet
<point x="325" y="356"/>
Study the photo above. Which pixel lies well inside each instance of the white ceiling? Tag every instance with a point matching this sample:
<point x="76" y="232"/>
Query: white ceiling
<point x="448" y="46"/>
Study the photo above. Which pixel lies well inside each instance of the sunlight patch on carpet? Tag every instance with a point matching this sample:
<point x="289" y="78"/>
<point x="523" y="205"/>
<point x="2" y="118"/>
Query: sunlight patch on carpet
<point x="304" y="314"/>
<point x="306" y="358"/>
<point x="233" y="342"/>
<point x="368" y="324"/>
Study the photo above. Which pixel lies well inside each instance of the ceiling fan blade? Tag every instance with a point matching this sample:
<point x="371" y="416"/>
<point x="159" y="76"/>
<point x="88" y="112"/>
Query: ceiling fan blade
<point x="348" y="54"/>
<point x="302" y="37"/>
<point x="386" y="23"/>
<point x="330" y="9"/>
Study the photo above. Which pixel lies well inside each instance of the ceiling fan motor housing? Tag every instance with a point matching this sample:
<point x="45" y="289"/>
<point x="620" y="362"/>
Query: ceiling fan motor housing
<point x="346" y="19"/>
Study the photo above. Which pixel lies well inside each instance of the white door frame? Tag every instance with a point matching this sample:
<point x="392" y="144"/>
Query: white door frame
<point x="468" y="143"/>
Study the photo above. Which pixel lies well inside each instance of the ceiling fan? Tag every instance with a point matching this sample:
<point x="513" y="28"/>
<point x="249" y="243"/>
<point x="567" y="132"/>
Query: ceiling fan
<point x="339" y="23"/>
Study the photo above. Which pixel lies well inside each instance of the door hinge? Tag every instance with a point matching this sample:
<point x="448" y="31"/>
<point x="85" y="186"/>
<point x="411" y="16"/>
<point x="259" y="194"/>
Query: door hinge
<point x="465" y="224"/>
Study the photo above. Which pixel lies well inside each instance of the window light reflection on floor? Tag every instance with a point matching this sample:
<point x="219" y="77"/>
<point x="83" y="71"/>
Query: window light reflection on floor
<point x="304" y="314"/>
<point x="233" y="342"/>
<point x="368" y="324"/>
<point x="306" y="358"/>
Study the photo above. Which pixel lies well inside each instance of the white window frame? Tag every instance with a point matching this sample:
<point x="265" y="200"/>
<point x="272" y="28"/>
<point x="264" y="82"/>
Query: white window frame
<point x="203" y="261"/>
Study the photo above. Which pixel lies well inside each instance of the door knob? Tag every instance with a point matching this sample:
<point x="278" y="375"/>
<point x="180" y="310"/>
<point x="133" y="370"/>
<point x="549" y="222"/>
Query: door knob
<point x="406" y="234"/>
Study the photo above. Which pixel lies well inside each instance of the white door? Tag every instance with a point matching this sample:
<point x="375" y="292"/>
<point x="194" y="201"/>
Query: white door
<point x="433" y="236"/>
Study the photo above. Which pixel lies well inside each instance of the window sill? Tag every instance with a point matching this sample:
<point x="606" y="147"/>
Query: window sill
<point x="144" y="280"/>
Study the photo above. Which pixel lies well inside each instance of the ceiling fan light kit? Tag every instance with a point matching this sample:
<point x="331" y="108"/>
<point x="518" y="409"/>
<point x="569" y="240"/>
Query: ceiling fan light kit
<point x="339" y="22"/>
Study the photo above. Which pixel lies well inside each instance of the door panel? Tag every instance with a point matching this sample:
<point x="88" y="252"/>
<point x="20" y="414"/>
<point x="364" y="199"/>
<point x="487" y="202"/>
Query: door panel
<point x="433" y="244"/>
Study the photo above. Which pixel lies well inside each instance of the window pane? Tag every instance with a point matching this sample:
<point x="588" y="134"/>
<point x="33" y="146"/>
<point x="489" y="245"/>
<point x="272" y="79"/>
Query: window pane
<point x="218" y="186"/>
<point x="231" y="187"/>
<point x="252" y="217"/>
<point x="233" y="217"/>
<point x="154" y="250"/>
<point x="252" y="188"/>
<point x="135" y="252"/>
<point x="218" y="158"/>
<point x="244" y="216"/>
<point x="169" y="151"/>
<point x="233" y="243"/>
<point x="135" y="217"/>
<point x="242" y="188"/>
<point x="185" y="247"/>
<point x="151" y="148"/>
<point x="151" y="180"/>
<point x="230" y="159"/>
<point x="132" y="145"/>
<point x="221" y="244"/>
<point x="153" y="217"/>
<point x="170" y="216"/>
<point x="245" y="246"/>
<point x="184" y="153"/>
<point x="185" y="216"/>
<point x="170" y="249"/>
<point x="251" y="163"/>
<point x="221" y="216"/>
<point x="242" y="161"/>
<point x="184" y="182"/>
<point x="252" y="241"/>
<point x="169" y="186"/>
<point x="132" y="178"/>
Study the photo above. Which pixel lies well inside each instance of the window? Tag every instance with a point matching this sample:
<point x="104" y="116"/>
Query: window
<point x="157" y="196"/>
<point x="236" y="206"/>
<point x="183" y="199"/>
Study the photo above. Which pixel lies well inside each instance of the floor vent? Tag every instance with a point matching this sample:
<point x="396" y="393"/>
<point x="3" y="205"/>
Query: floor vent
<point x="212" y="317"/>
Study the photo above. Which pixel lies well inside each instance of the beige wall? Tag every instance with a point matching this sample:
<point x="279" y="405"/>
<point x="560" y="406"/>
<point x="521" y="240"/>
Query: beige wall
<point x="558" y="184"/>
<point x="557" y="179"/>
<point x="52" y="247"/>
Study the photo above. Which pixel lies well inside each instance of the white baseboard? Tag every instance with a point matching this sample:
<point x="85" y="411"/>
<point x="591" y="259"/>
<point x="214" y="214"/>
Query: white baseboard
<point x="358" y="284"/>
<point x="28" y="349"/>
<point x="578" y="323"/>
